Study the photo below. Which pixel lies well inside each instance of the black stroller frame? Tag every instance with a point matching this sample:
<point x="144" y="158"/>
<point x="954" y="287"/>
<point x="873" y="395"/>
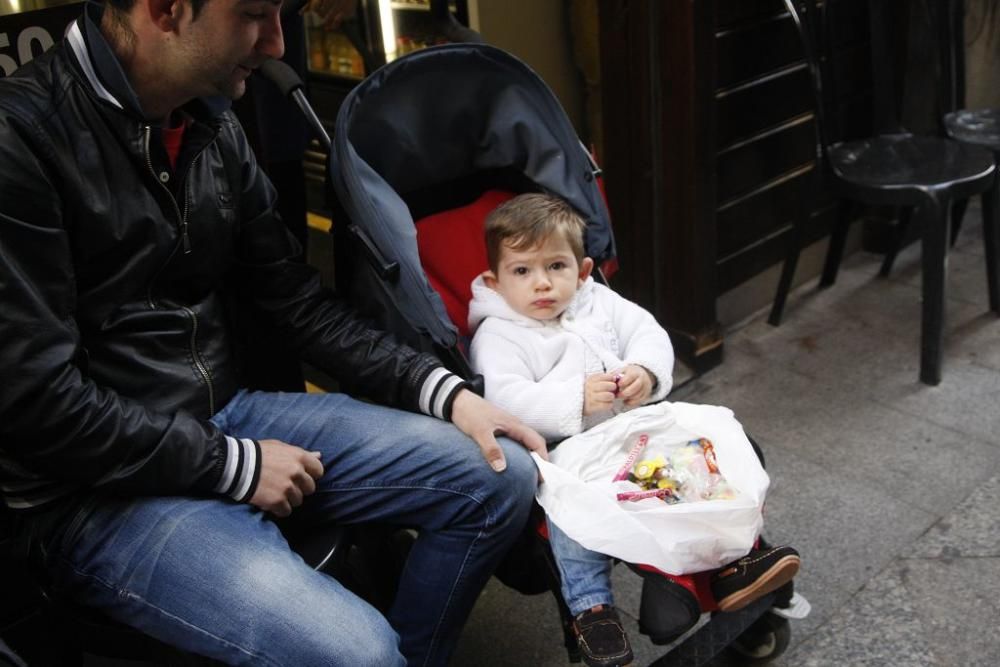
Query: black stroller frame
<point x="430" y="132"/>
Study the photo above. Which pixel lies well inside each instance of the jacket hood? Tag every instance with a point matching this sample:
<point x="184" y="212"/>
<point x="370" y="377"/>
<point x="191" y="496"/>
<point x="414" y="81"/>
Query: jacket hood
<point x="488" y="303"/>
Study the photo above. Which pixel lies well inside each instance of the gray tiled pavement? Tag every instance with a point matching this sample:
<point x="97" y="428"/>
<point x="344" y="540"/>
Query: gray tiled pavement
<point x="889" y="488"/>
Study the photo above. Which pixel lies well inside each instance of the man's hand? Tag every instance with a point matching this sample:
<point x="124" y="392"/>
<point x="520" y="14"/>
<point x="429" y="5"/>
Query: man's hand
<point x="599" y="392"/>
<point x="635" y="385"/>
<point x="482" y="421"/>
<point x="287" y="475"/>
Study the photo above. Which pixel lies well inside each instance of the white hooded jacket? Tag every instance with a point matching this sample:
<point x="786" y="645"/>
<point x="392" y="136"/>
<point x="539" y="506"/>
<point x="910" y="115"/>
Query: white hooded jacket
<point x="536" y="369"/>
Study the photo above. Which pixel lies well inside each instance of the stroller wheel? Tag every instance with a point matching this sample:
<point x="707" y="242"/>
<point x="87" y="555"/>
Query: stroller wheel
<point x="763" y="641"/>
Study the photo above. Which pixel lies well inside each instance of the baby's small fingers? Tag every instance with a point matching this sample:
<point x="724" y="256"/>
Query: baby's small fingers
<point x="604" y="397"/>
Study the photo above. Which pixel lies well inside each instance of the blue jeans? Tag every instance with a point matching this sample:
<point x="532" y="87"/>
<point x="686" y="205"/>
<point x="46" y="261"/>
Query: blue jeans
<point x="217" y="578"/>
<point x="585" y="574"/>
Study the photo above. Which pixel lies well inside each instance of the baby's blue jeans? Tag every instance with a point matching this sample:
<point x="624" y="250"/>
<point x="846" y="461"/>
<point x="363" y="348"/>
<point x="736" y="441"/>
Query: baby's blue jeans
<point x="585" y="574"/>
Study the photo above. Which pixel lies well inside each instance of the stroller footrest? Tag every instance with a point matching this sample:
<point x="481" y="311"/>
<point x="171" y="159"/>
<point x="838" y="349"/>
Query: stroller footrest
<point x="667" y="609"/>
<point x="797" y="609"/>
<point x="712" y="637"/>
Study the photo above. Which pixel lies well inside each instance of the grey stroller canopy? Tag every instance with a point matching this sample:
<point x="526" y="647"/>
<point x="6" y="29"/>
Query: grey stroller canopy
<point x="441" y="115"/>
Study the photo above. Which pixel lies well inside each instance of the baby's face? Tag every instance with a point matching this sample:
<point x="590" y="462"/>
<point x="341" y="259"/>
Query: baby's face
<point x="539" y="282"/>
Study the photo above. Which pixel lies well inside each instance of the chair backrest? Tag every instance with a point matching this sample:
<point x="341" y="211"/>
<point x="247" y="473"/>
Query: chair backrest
<point x="809" y="24"/>
<point x="871" y="59"/>
<point x="830" y="57"/>
<point x="942" y="49"/>
<point x="950" y="19"/>
<point x="917" y="59"/>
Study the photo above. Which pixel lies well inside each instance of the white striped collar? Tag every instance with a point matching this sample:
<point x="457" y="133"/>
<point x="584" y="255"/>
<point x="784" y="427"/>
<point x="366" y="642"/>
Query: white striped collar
<point x="79" y="46"/>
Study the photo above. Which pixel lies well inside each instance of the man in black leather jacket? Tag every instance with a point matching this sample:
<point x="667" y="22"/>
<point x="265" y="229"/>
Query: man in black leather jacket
<point x="131" y="214"/>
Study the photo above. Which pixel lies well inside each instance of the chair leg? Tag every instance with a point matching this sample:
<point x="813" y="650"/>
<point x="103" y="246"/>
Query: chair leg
<point x="991" y="242"/>
<point x="899" y="237"/>
<point x="803" y="199"/>
<point x="838" y="239"/>
<point x="934" y="219"/>
<point x="957" y="215"/>
<point x="787" y="271"/>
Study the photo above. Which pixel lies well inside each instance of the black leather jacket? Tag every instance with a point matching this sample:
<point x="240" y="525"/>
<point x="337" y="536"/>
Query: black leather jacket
<point x="117" y="284"/>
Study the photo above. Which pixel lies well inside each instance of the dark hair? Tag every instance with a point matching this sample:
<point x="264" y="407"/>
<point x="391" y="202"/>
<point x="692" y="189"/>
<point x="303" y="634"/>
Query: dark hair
<point x="527" y="220"/>
<point x="123" y="6"/>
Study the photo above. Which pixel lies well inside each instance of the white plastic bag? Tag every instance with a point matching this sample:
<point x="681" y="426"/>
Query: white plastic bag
<point x="579" y="496"/>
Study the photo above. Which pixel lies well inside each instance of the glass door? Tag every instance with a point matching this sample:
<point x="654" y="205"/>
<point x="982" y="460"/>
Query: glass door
<point x="381" y="31"/>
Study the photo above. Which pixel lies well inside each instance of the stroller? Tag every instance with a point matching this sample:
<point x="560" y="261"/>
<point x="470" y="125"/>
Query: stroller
<point x="423" y="149"/>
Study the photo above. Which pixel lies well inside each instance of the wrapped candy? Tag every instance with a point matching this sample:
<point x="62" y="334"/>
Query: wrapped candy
<point x="683" y="473"/>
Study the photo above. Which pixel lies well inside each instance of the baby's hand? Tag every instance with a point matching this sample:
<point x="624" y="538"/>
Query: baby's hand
<point x="598" y="393"/>
<point x="635" y="385"/>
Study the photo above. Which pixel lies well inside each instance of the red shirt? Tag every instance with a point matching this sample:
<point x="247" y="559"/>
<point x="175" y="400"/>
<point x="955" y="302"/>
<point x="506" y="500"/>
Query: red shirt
<point x="173" y="137"/>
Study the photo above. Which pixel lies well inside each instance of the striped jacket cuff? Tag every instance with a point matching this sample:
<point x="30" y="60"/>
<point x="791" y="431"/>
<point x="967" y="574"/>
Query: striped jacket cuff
<point x="241" y="471"/>
<point x="438" y="392"/>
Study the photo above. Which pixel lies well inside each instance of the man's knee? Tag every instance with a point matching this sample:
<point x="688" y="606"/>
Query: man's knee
<point x="521" y="468"/>
<point x="363" y="650"/>
<point x="376" y="649"/>
<point x="325" y="625"/>
<point x="515" y="487"/>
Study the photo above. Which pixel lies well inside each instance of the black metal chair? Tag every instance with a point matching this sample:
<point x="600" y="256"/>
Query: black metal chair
<point x="924" y="175"/>
<point x="980" y="127"/>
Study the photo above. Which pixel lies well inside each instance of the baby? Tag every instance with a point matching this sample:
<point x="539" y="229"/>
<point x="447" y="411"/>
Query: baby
<point x="564" y="353"/>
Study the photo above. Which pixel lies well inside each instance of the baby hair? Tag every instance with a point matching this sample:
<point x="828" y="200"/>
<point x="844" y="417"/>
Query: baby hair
<point x="528" y="220"/>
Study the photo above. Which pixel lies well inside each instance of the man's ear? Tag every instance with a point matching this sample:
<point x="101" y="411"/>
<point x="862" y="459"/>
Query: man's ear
<point x="586" y="266"/>
<point x="490" y="279"/>
<point x="166" y="14"/>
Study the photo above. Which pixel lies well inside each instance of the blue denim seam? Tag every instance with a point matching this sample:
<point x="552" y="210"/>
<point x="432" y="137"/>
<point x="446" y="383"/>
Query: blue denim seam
<point x="461" y="574"/>
<point x="400" y="485"/>
<point x="125" y="593"/>
<point x="490" y="520"/>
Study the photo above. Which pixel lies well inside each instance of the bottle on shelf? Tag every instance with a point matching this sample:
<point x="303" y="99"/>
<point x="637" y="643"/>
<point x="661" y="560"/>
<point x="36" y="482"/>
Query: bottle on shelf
<point x="317" y="49"/>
